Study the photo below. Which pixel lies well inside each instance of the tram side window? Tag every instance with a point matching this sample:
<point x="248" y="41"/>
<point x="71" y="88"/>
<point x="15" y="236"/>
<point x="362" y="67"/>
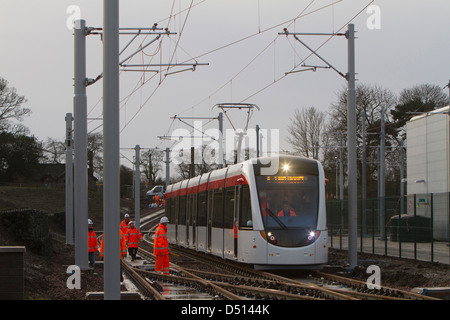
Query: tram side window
<point x="182" y="212"/>
<point x="245" y="216"/>
<point x="217" y="220"/>
<point x="168" y="208"/>
<point x="188" y="209"/>
<point x="171" y="210"/>
<point x="202" y="209"/>
<point x="176" y="201"/>
<point x="229" y="208"/>
<point x="191" y="208"/>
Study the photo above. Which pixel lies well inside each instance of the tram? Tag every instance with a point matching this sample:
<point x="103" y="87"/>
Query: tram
<point x="268" y="212"/>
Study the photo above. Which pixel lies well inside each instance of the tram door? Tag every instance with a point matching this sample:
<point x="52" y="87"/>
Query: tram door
<point x="177" y="201"/>
<point x="188" y="219"/>
<point x="209" y="220"/>
<point x="236" y="219"/>
<point x="182" y="221"/>
<point x="193" y="242"/>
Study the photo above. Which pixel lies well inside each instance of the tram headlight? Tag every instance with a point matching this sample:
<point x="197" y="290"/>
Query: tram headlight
<point x="313" y="235"/>
<point x="271" y="237"/>
<point x="286" y="167"/>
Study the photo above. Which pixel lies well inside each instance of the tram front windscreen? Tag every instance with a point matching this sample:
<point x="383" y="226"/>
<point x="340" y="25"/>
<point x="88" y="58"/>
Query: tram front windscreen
<point x="289" y="208"/>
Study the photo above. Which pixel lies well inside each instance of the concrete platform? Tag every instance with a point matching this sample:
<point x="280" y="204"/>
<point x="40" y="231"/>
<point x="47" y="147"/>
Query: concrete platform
<point x="123" y="296"/>
<point x="12" y="280"/>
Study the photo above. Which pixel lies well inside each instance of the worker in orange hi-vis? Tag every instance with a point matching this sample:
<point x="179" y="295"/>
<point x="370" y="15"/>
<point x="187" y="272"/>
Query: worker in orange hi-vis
<point x="124" y="223"/>
<point x="156" y="199"/>
<point x="123" y="249"/>
<point x="161" y="247"/>
<point x="92" y="245"/>
<point x="134" y="236"/>
<point x="123" y="246"/>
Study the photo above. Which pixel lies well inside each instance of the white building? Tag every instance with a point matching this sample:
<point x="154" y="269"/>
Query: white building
<point x="428" y="168"/>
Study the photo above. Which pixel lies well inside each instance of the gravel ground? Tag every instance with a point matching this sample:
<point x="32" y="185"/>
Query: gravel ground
<point x="45" y="278"/>
<point x="398" y="273"/>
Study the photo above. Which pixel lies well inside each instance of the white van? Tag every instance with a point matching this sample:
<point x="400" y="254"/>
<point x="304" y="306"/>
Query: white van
<point x="157" y="190"/>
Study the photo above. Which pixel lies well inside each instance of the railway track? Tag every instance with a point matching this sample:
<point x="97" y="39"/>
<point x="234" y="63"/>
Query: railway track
<point x="360" y="290"/>
<point x="318" y="284"/>
<point x="234" y="281"/>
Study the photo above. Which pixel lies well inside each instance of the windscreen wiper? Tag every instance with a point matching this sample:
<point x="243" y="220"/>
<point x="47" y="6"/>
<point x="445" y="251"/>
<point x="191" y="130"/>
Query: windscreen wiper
<point x="282" y="225"/>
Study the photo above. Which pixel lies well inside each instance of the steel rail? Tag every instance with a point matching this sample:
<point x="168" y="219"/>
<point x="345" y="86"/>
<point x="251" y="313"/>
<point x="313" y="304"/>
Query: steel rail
<point x="189" y="277"/>
<point x="144" y="286"/>
<point x="292" y="288"/>
<point x="260" y="276"/>
<point x="250" y="277"/>
<point x="384" y="291"/>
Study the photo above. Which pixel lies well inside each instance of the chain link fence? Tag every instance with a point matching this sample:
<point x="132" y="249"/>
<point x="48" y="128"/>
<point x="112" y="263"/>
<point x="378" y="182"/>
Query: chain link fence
<point x="413" y="226"/>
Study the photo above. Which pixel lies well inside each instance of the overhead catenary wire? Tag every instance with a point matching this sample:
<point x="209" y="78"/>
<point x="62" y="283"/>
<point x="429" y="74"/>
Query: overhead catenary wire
<point x="326" y="41"/>
<point x="235" y="42"/>
<point x="162" y="80"/>
<point x="254" y="59"/>
<point x="147" y="80"/>
<point x="290" y="21"/>
<point x="295" y="66"/>
<point x="138" y="85"/>
<point x="141" y="82"/>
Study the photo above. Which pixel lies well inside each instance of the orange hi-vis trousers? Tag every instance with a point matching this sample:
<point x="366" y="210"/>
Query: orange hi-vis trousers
<point x="162" y="264"/>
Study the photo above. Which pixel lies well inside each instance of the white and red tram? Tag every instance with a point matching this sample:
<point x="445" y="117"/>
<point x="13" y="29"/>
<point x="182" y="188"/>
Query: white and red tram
<point x="273" y="221"/>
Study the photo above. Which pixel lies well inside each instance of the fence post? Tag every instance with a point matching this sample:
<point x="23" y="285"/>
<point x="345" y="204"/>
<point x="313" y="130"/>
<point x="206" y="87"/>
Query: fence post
<point x="373" y="227"/>
<point x="341" y="227"/>
<point x="432" y="229"/>
<point x="399" y="226"/>
<point x="362" y="232"/>
<point x="330" y="235"/>
<point x="415" y="228"/>
<point x="383" y="221"/>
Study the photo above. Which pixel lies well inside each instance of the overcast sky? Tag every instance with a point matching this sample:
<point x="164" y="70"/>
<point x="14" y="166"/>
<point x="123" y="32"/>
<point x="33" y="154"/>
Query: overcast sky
<point x="400" y="44"/>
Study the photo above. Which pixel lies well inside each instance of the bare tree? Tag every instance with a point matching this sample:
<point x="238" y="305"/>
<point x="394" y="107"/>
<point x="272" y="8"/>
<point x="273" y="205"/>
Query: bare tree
<point x="95" y="154"/>
<point x="207" y="163"/>
<point x="370" y="99"/>
<point x="151" y="161"/>
<point x="54" y="150"/>
<point x="305" y="131"/>
<point x="425" y="93"/>
<point x="11" y="105"/>
<point x="420" y="98"/>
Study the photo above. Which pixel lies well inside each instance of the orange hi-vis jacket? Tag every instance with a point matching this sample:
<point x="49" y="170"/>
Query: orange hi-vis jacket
<point x="124" y="226"/>
<point x="161" y="244"/>
<point x="265" y="208"/>
<point x="92" y="241"/>
<point x="133" y="237"/>
<point x="291" y="213"/>
<point x="123" y="245"/>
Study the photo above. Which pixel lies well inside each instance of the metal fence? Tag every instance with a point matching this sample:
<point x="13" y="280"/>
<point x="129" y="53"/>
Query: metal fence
<point x="414" y="226"/>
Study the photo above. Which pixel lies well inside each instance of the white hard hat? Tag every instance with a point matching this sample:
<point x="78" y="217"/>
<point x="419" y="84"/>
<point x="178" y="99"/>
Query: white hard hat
<point x="127" y="215"/>
<point x="90" y="221"/>
<point x="131" y="222"/>
<point x="164" y="220"/>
